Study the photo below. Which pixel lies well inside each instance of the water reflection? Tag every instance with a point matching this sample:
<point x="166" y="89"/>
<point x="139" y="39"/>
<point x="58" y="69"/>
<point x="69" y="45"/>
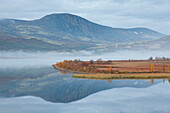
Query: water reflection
<point x="154" y="99"/>
<point x="63" y="72"/>
<point x="163" y="80"/>
<point x="110" y="81"/>
<point x="49" y="84"/>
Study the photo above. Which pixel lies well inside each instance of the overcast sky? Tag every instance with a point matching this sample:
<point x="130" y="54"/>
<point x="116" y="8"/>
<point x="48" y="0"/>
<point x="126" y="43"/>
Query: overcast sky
<point x="154" y="14"/>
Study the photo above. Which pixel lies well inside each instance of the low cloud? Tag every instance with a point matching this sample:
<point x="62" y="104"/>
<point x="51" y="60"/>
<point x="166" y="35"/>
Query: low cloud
<point x="20" y="59"/>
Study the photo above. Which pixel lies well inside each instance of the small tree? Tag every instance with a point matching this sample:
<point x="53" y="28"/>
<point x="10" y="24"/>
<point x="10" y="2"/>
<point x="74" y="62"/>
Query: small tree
<point x="110" y="69"/>
<point x="152" y="67"/>
<point x="163" y="58"/>
<point x="151" y="58"/>
<point x="156" y="58"/>
<point x="84" y="68"/>
<point x="91" y="62"/>
<point x="64" y="62"/>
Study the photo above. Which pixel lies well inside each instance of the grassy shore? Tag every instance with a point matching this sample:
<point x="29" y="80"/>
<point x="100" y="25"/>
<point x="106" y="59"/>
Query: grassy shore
<point x="68" y="70"/>
<point x="124" y="76"/>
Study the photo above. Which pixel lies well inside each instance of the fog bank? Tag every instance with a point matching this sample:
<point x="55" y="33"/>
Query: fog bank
<point x="20" y="59"/>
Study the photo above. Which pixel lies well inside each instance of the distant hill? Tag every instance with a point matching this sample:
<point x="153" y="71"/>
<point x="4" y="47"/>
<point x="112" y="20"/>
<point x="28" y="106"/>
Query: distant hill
<point x="158" y="44"/>
<point x="67" y="31"/>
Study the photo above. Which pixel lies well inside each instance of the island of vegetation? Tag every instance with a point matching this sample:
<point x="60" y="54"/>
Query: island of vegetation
<point x="158" y="68"/>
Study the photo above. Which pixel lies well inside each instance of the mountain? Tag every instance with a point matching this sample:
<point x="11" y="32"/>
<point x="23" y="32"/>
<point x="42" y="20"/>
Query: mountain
<point x="158" y="44"/>
<point x="71" y="32"/>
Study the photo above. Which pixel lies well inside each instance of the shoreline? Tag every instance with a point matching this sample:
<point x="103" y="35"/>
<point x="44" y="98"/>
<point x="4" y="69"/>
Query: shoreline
<point x="86" y="75"/>
<point x="124" y="76"/>
<point x="62" y="69"/>
<point x="123" y="69"/>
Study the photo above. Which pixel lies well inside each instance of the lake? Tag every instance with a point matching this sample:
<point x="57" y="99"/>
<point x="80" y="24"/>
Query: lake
<point x="34" y="86"/>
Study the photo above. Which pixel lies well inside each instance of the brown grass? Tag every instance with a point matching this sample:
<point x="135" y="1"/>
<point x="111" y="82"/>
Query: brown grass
<point x="137" y="66"/>
<point x="124" y="76"/>
<point x="124" y="69"/>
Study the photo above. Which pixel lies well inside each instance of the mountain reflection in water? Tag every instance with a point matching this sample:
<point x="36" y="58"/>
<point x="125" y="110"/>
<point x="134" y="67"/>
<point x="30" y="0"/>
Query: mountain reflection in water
<point x="49" y="84"/>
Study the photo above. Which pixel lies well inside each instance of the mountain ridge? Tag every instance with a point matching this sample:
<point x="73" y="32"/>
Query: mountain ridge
<point x="66" y="29"/>
<point x="158" y="44"/>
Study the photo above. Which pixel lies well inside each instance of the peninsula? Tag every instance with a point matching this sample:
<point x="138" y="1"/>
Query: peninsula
<point x="157" y="68"/>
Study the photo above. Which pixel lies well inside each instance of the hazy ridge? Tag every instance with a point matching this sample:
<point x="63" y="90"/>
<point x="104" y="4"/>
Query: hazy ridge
<point x="66" y="32"/>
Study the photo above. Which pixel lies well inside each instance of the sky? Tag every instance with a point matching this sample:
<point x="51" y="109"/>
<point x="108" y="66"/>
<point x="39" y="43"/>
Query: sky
<point x="153" y="14"/>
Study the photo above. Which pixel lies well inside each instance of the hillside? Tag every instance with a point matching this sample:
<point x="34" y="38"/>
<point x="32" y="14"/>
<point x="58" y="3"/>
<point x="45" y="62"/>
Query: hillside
<point x="158" y="44"/>
<point x="14" y="43"/>
<point x="33" y="44"/>
<point x="71" y="32"/>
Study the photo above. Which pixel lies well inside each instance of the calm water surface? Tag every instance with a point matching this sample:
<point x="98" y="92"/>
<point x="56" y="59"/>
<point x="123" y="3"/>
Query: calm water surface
<point x="34" y="86"/>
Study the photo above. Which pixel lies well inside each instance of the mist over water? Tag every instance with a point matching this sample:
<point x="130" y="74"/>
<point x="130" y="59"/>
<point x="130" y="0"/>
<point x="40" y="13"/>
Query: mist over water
<point x="24" y="75"/>
<point x="21" y="59"/>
